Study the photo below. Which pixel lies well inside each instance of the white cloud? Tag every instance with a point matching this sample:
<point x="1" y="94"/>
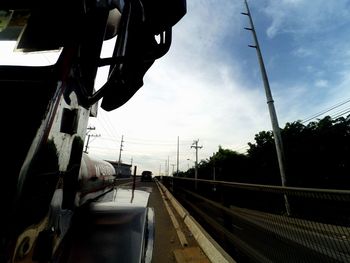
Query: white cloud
<point x="192" y="94"/>
<point x="321" y="83"/>
<point x="304" y="16"/>
<point x="342" y="90"/>
<point x="210" y="105"/>
<point x="303" y="52"/>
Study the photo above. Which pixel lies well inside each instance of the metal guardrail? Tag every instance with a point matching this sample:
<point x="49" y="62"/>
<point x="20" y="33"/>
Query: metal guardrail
<point x="250" y="221"/>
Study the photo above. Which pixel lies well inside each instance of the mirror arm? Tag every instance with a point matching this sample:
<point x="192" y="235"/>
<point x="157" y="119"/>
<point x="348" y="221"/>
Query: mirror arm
<point x="112" y="61"/>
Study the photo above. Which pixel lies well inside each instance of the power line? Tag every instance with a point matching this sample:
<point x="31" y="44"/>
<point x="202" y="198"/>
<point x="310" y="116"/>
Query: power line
<point x="325" y="111"/>
<point x="150" y="143"/>
<point x="341" y="113"/>
<point x="170" y="142"/>
<point x="340" y="110"/>
<point x="103" y="147"/>
<point x="110" y="128"/>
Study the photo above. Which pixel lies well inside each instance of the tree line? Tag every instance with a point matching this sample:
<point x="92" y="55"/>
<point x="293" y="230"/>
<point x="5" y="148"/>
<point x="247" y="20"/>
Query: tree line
<point x="317" y="155"/>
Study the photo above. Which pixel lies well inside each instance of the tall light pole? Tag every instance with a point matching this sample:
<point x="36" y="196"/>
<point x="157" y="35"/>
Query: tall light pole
<point x="273" y="116"/>
<point x="195" y="145"/>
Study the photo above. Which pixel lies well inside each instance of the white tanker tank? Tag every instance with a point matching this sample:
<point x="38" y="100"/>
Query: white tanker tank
<point x="96" y="177"/>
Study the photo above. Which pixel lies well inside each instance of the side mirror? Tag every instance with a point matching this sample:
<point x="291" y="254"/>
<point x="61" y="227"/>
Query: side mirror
<point x="161" y="15"/>
<point x="136" y="43"/>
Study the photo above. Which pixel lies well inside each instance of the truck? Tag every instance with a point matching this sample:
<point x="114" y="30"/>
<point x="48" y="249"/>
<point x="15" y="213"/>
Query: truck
<point x="49" y="105"/>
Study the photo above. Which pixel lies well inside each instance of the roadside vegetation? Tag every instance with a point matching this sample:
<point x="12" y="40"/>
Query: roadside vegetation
<point x="317" y="155"/>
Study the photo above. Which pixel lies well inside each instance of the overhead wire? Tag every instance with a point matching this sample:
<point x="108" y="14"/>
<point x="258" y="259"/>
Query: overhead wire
<point x="110" y="128"/>
<point x="325" y="111"/>
<point x="341" y="113"/>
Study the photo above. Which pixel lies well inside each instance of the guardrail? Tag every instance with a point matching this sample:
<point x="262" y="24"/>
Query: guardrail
<point x="250" y="221"/>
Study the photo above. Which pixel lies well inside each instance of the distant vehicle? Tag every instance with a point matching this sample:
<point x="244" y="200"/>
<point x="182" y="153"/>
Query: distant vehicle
<point x="146" y="176"/>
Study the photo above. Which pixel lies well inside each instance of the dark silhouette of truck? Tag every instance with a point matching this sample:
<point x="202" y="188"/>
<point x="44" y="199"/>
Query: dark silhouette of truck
<point x="146" y="176"/>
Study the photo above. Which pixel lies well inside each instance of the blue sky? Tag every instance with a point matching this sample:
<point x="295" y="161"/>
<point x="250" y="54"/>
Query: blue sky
<point x="209" y="86"/>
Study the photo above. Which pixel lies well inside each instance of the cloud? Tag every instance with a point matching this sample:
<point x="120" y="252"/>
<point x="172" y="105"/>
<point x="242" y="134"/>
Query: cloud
<point x="304" y="16"/>
<point x="193" y="93"/>
<point x="303" y="52"/>
<point x="321" y="83"/>
<point x="196" y="92"/>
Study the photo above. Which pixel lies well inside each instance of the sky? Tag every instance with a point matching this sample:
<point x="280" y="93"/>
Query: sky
<point x="208" y="87"/>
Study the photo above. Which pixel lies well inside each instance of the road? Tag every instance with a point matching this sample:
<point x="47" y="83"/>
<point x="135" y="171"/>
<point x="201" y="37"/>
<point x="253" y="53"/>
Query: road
<point x="267" y="237"/>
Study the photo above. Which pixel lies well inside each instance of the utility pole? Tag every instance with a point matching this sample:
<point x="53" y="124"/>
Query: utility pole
<point x="173" y="165"/>
<point x="195" y="145"/>
<point x="165" y="168"/>
<point x="177" y="160"/>
<point x="120" y="154"/>
<point x="168" y="166"/>
<point x="87" y="144"/>
<point x="214" y="174"/>
<point x="131" y="160"/>
<point x="270" y="103"/>
<point x="88" y="138"/>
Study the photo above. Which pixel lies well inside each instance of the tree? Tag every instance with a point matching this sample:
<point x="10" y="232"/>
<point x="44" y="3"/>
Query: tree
<point x="263" y="158"/>
<point x="317" y="155"/>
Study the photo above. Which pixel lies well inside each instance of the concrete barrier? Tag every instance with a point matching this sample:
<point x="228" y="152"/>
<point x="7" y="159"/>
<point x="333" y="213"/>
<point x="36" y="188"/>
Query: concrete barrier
<point x="210" y="247"/>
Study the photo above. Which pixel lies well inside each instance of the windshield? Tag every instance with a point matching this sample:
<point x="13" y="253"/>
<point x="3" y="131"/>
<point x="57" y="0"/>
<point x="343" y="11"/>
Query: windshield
<point x="9" y="56"/>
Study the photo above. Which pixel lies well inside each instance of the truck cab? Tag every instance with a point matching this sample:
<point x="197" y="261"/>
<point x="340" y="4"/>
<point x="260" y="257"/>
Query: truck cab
<point x="146" y="176"/>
